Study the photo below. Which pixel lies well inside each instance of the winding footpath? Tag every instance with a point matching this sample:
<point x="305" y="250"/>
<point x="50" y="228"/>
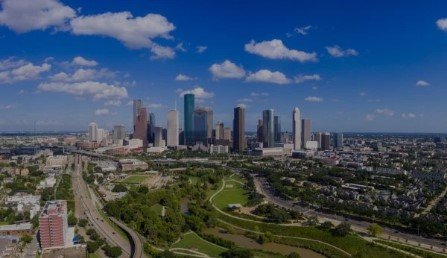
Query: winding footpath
<point x="261" y="233"/>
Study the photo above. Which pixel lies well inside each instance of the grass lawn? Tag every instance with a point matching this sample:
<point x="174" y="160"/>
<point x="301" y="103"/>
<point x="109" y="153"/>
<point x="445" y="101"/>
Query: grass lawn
<point x="192" y="241"/>
<point x="232" y="193"/>
<point x="157" y="208"/>
<point x="193" y="180"/>
<point x="93" y="255"/>
<point x="413" y="250"/>
<point x="350" y="243"/>
<point x="135" y="179"/>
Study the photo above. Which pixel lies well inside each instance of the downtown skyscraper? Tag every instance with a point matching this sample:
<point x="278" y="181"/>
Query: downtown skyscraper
<point x="141" y="126"/>
<point x="277" y="128"/>
<point x="296" y="124"/>
<point x="268" y="128"/>
<point x="200" y="126"/>
<point x="306" y="132"/>
<point x="172" y="127"/>
<point x="137" y="104"/>
<point x="239" y="129"/>
<point x="188" y="109"/>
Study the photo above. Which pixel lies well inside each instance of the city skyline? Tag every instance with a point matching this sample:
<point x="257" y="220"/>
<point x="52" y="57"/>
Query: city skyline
<point x="343" y="67"/>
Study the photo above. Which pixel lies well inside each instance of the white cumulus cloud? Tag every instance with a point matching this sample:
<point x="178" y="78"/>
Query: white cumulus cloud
<point x="384" y="111"/>
<point x="268" y="76"/>
<point x="133" y="32"/>
<point x="442" y="24"/>
<point x="22" y="71"/>
<point x="97" y="90"/>
<point x="313" y="99"/>
<point x="337" y="51"/>
<point x="102" y="112"/>
<point x="201" y="49"/>
<point x="27" y="15"/>
<point x="113" y="102"/>
<point x="227" y="70"/>
<point x="79" y="60"/>
<point x="408" y="115"/>
<point x="275" y="49"/>
<point x="183" y="77"/>
<point x="82" y="75"/>
<point x="161" y="52"/>
<point x="259" y="94"/>
<point x="307" y="77"/>
<point x="199" y="93"/>
<point x="422" y="83"/>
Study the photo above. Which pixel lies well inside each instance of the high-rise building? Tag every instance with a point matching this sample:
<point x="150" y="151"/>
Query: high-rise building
<point x="306" y="131"/>
<point x="188" y="102"/>
<point x="297" y="132"/>
<point x="209" y="119"/>
<point x="277" y="128"/>
<point x="53" y="224"/>
<point x="141" y="126"/>
<point x="137" y="104"/>
<point x="158" y="137"/>
<point x="325" y="141"/>
<point x="151" y="128"/>
<point x="239" y="129"/>
<point x="173" y="134"/>
<point x="219" y="131"/>
<point x="200" y="126"/>
<point x="318" y="138"/>
<point x="227" y="134"/>
<point x="260" y="131"/>
<point x="93" y="132"/>
<point x="338" y="140"/>
<point x="119" y="134"/>
<point x="268" y="128"/>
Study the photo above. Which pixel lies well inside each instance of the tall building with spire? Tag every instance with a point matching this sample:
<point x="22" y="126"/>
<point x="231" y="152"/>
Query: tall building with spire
<point x="296" y="124"/>
<point x="188" y="109"/>
<point x="173" y="129"/>
<point x="239" y="129"/>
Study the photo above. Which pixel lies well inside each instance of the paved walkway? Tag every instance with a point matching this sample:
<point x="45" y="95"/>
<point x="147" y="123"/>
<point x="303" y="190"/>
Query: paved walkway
<point x="261" y="233"/>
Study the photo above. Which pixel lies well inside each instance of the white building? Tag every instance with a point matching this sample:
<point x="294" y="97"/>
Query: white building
<point x="296" y="129"/>
<point x="93" y="132"/>
<point x="173" y="131"/>
<point x="219" y="149"/>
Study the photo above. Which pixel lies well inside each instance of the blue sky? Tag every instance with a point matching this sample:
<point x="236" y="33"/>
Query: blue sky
<point x="349" y="66"/>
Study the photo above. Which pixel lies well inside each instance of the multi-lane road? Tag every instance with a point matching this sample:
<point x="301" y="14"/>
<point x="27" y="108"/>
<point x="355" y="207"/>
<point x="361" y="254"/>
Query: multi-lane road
<point x="86" y="208"/>
<point x="360" y="226"/>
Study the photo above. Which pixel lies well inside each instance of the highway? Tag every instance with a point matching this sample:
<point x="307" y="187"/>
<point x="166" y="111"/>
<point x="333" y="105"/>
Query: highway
<point x="263" y="188"/>
<point x="86" y="208"/>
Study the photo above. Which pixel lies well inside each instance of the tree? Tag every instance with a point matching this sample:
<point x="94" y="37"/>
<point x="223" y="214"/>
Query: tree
<point x="237" y="253"/>
<point x="92" y="246"/>
<point x="342" y="229"/>
<point x="119" y="188"/>
<point x="293" y="255"/>
<point x="25" y="238"/>
<point x="82" y="223"/>
<point x="113" y="251"/>
<point x="327" y="225"/>
<point x="72" y="220"/>
<point x="375" y="230"/>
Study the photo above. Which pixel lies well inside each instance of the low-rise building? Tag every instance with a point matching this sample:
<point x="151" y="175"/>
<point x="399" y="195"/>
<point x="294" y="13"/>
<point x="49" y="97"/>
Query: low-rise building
<point x="16" y="229"/>
<point x="132" y="164"/>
